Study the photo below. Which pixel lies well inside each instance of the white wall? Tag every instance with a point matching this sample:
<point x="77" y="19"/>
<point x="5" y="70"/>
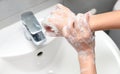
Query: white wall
<point x="11" y="7"/>
<point x="85" y="5"/>
<point x="10" y="10"/>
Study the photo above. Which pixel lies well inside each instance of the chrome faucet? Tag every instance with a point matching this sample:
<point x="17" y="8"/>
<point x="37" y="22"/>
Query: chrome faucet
<point x="33" y="28"/>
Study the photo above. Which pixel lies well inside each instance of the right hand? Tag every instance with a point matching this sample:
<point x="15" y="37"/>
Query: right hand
<point x="74" y="28"/>
<point x="80" y="35"/>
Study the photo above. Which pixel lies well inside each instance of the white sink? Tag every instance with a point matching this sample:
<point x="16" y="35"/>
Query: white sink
<point x="56" y="56"/>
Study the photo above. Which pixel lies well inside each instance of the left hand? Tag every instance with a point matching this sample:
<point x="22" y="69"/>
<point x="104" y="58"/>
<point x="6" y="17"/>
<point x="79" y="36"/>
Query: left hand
<point x="60" y="17"/>
<point x="75" y="29"/>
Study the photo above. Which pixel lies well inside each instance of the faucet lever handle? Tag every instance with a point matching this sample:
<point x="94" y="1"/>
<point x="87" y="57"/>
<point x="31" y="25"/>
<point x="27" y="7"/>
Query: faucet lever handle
<point x="33" y="27"/>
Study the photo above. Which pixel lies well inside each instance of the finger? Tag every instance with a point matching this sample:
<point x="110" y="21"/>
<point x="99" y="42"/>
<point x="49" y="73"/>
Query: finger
<point x="52" y="34"/>
<point x="60" y="6"/>
<point x="48" y="29"/>
<point x="82" y="26"/>
<point x="70" y="24"/>
<point x="78" y="22"/>
<point x="48" y="26"/>
<point x="56" y="12"/>
<point x="65" y="31"/>
<point x="87" y="16"/>
<point x="59" y="14"/>
<point x="54" y="20"/>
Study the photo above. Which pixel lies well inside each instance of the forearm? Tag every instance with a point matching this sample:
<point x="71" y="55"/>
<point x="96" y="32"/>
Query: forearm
<point x="87" y="63"/>
<point x="105" y="21"/>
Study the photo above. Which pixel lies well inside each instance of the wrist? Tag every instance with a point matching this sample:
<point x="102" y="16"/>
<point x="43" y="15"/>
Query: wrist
<point x="87" y="64"/>
<point x="92" y="23"/>
<point x="86" y="50"/>
<point x="86" y="53"/>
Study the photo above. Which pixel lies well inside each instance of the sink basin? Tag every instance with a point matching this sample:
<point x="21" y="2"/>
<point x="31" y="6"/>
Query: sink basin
<point x="56" y="56"/>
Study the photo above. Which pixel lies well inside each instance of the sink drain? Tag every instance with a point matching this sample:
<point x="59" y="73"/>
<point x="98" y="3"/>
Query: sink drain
<point x="40" y="54"/>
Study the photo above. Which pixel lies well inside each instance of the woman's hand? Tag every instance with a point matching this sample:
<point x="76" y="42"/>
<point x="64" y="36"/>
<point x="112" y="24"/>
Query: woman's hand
<point x="74" y="28"/>
<point x="77" y="31"/>
<point x="59" y="18"/>
<point x="80" y="35"/>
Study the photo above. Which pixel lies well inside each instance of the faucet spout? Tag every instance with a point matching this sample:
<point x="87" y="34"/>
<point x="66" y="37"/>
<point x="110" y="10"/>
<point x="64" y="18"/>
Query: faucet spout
<point x="33" y="28"/>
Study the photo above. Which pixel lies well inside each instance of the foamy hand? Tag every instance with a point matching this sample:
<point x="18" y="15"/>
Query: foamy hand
<point x="80" y="35"/>
<point x="74" y="28"/>
<point x="59" y="18"/>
